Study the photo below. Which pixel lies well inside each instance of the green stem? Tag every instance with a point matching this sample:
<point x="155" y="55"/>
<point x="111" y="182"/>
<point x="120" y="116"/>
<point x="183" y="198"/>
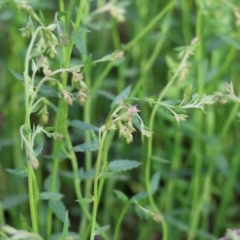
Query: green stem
<point x="150" y="25"/>
<point x="31" y="175"/>
<point x="119" y="221"/>
<point x="95" y="190"/>
<point x="150" y="144"/>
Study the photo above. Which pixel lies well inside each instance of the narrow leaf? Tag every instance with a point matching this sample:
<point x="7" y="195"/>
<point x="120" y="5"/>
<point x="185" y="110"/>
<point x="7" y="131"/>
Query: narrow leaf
<point x="13" y="200"/>
<point x="62" y="14"/>
<point x="159" y="159"/>
<point x="39" y="143"/>
<point x="140" y="212"/>
<point x="124" y="94"/>
<point x="101" y="229"/>
<point x="47" y="183"/>
<point x="108" y="174"/>
<point x="87" y="146"/>
<point x="17" y="172"/>
<point x="123" y="165"/>
<point x="58" y="208"/>
<point x="155" y="182"/>
<point x="34" y="66"/>
<point x="141" y="92"/>
<point x="50" y="195"/>
<point x="139" y="196"/>
<point x="82" y="125"/>
<point x="121" y="195"/>
<point x="18" y="76"/>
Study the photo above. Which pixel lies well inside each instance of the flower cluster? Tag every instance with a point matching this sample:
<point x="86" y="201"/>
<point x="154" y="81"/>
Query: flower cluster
<point x="123" y="119"/>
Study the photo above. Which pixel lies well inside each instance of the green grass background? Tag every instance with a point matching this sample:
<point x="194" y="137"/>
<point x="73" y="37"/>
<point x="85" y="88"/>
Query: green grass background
<point x="198" y="192"/>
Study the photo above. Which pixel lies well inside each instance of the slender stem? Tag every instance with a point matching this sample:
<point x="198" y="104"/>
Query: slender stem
<point x="120" y="219"/>
<point x="95" y="190"/>
<point x="150" y="25"/>
<point x="149" y="143"/>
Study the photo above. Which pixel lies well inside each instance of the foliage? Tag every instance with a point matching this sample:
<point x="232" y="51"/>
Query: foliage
<point x="122" y="120"/>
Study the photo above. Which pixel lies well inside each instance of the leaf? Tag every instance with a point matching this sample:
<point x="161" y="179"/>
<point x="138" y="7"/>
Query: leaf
<point x="86" y="174"/>
<point x="78" y="40"/>
<point x="39" y="143"/>
<point x="139" y="196"/>
<point x="82" y="125"/>
<point x="101" y="229"/>
<point x="155" y="182"/>
<point x="87" y="146"/>
<point x="121" y="195"/>
<point x="17" y="172"/>
<point x="85" y="200"/>
<point x="50" y="195"/>
<point x="140" y="92"/>
<point x="48" y="91"/>
<point x="124" y="94"/>
<point x="61" y="14"/>
<point x="58" y="208"/>
<point x="123" y="165"/>
<point x="136" y="122"/>
<point x="47" y="183"/>
<point x="187" y="92"/>
<point x="18" y="76"/>
<point x="36" y="108"/>
<point x="65" y="228"/>
<point x="140" y="212"/>
<point x="13" y="200"/>
<point x="34" y="66"/>
<point x="71" y="235"/>
<point x="108" y="174"/>
<point x="159" y="159"/>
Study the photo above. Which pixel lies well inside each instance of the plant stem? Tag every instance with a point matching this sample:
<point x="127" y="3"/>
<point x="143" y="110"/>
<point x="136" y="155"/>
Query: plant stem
<point x="95" y="190"/>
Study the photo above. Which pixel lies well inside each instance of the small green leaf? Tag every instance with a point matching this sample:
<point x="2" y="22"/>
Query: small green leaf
<point x="61" y="14"/>
<point x="48" y="91"/>
<point x="136" y="122"/>
<point x="139" y="196"/>
<point x="121" y="195"/>
<point x="18" y="76"/>
<point x="47" y="183"/>
<point x="36" y="108"/>
<point x="124" y="94"/>
<point x="101" y="229"/>
<point x="34" y="66"/>
<point x="17" y="172"/>
<point x="58" y="208"/>
<point x="159" y="159"/>
<point x="85" y="200"/>
<point x="108" y="174"/>
<point x="82" y="125"/>
<point x="123" y="165"/>
<point x="87" y="146"/>
<point x="187" y="92"/>
<point x="78" y="39"/>
<point x="155" y="182"/>
<point x="140" y="212"/>
<point x="86" y="174"/>
<point x="140" y="92"/>
<point x="50" y="195"/>
<point x="13" y="200"/>
<point x="39" y="143"/>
